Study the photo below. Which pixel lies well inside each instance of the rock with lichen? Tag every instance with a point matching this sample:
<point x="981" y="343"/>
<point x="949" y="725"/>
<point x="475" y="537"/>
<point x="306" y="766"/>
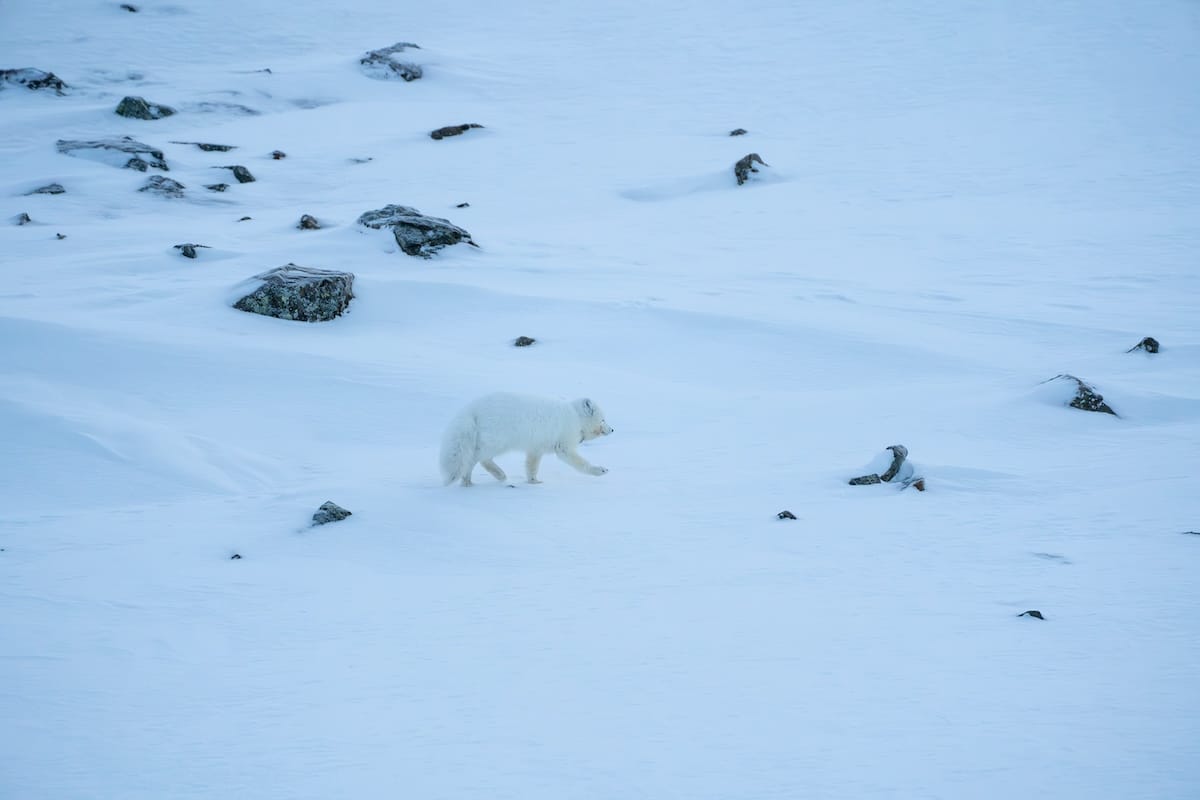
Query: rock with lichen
<point x="299" y="293"/>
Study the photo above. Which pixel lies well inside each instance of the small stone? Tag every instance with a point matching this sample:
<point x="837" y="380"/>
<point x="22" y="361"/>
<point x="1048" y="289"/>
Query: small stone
<point x="738" y="132"/>
<point x="329" y="512"/>
<point x="241" y="173"/>
<point x="51" y="188"/>
<point x="865" y="480"/>
<point x="453" y="130"/>
<point x="235" y="556"/>
<point x="309" y="223"/>
<point x="211" y="148"/>
<point x="133" y="10"/>
<point x="1031" y="613"/>
<point x="189" y="250"/>
<point x="244" y="219"/>
<point x="278" y="155"/>
<point x="1192" y="533"/>
<point x="785" y="514"/>
<point x="745" y="165"/>
<point x="1149" y="344"/>
<point x="463" y="205"/>
<point x="217" y="187"/>
<point x="524" y="341"/>
<point x="22" y="219"/>
<point x="919" y="484"/>
<point x="139" y="108"/>
<point x="60" y="235"/>
<point x="164" y="187"/>
<point x="367" y="160"/>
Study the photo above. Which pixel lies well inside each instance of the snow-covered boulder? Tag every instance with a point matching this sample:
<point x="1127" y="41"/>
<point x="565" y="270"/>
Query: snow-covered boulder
<point x="140" y="108"/>
<point x="383" y="65"/>
<point x="119" y="152"/>
<point x="417" y="234"/>
<point x="163" y="187"/>
<point x="329" y="512"/>
<point x="299" y="293"/>
<point x="32" y="78"/>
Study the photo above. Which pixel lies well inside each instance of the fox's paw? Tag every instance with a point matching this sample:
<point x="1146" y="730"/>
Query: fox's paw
<point x="597" y="470"/>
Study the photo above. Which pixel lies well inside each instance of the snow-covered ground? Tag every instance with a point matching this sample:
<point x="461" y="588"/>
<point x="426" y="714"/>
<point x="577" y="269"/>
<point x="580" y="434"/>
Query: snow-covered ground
<point x="962" y="201"/>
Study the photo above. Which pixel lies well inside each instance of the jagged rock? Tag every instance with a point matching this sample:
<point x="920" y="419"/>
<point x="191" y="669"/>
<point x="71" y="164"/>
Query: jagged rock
<point x="278" y="155"/>
<point x="1086" y="398"/>
<point x="329" y="512"/>
<point x="139" y="108"/>
<point x="210" y="148"/>
<point x="300" y="293"/>
<point x="241" y="173"/>
<point x="122" y="152"/>
<point x="745" y="165"/>
<point x="1149" y="344"/>
<point x="453" y="130"/>
<point x="524" y="341"/>
<point x="417" y="234"/>
<point x="738" y="132"/>
<point x="164" y="187"/>
<point x="32" y="79"/>
<point x="51" y="188"/>
<point x="785" y="514"/>
<point x="899" y="455"/>
<point x="308" y="223"/>
<point x="22" y="219"/>
<point x="382" y="65"/>
<point x="217" y="187"/>
<point x="1033" y="612"/>
<point x="189" y="250"/>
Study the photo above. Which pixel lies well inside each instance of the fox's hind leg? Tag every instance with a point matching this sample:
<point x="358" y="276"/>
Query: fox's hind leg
<point x="494" y="468"/>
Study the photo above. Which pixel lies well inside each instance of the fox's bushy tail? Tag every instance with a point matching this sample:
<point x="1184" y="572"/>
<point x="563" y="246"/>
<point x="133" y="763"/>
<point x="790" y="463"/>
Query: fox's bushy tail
<point x="458" y="448"/>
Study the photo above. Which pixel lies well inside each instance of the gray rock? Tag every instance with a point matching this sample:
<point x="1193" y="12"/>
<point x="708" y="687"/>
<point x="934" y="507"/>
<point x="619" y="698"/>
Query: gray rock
<point x="383" y="65"/>
<point x="217" y="187"/>
<point x="189" y="250"/>
<point x="745" y="165"/>
<point x="51" y="188"/>
<point x="140" y="108"/>
<point x="329" y="512"/>
<point x="785" y="514"/>
<point x="524" y="341"/>
<point x="1086" y="398"/>
<point x="163" y="187"/>
<point x="899" y="454"/>
<point x="22" y="219"/>
<point x="417" y="234"/>
<point x="241" y="173"/>
<point x="738" y="132"/>
<point x="210" y="148"/>
<point x="300" y="293"/>
<point x="209" y="107"/>
<point x="33" y="79"/>
<point x="278" y="155"/>
<point x="308" y="223"/>
<point x="453" y="130"/>
<point x="120" y="152"/>
<point x="1149" y="344"/>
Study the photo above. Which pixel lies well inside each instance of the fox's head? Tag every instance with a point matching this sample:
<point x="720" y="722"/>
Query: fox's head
<point x="591" y="419"/>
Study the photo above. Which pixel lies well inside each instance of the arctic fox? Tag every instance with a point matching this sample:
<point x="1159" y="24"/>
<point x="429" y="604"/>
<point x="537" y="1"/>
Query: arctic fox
<point x="500" y="423"/>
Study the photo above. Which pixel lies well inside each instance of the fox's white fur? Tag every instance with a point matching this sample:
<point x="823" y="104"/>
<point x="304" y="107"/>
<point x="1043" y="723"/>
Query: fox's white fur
<point x="501" y="423"/>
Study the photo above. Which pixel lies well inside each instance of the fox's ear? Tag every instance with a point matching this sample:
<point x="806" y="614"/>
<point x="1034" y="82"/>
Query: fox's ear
<point x="588" y="407"/>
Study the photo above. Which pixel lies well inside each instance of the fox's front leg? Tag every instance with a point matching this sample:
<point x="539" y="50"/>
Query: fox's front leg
<point x="572" y="457"/>
<point x="532" y="462"/>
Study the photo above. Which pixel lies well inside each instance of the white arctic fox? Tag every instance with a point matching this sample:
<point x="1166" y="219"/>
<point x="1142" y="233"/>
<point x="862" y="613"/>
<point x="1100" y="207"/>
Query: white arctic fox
<point x="500" y="423"/>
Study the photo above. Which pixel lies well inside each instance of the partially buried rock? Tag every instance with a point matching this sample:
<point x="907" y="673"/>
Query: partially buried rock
<point x="51" y="188"/>
<point x="22" y="219"/>
<point x="524" y="341"/>
<point x="32" y="79"/>
<point x="417" y="234"/>
<point x="899" y="455"/>
<point x="163" y="187"/>
<point x="211" y="148"/>
<point x="308" y="223"/>
<point x="122" y="152"/>
<point x="300" y="293"/>
<point x="1149" y="344"/>
<point x="329" y="512"/>
<point x="1086" y="398"/>
<point x="217" y="187"/>
<point x="241" y="173"/>
<point x="785" y="514"/>
<point x="738" y="132"/>
<point x="1033" y="612"/>
<point x="278" y="155"/>
<point x="463" y="205"/>
<point x="745" y="165"/>
<point x="383" y="64"/>
<point x="189" y="250"/>
<point x="140" y="108"/>
<point x="133" y="10"/>
<point x="452" y="130"/>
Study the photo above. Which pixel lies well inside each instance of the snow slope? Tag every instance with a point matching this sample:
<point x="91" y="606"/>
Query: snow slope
<point x="963" y="200"/>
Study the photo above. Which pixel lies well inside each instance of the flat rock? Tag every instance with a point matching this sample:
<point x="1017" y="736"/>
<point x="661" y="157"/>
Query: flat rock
<point x="417" y="234"/>
<point x="329" y="512"/>
<point x="163" y="187"/>
<point x="140" y="108"/>
<point x="50" y="188"/>
<point x="300" y="293"/>
<point x="211" y="148"/>
<point x="453" y="130"/>
<point x="33" y="79"/>
<point x="384" y="65"/>
<point x="119" y="152"/>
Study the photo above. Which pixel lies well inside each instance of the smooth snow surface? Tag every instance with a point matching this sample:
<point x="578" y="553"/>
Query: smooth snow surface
<point x="964" y="199"/>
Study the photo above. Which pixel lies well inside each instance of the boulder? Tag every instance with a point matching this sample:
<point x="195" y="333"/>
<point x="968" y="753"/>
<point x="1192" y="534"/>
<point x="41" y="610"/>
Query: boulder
<point x="329" y="512"/>
<point x="50" y="188"/>
<point x="417" y="234"/>
<point x="453" y="130"/>
<point x="383" y="65"/>
<point x="300" y="293"/>
<point x="33" y="79"/>
<point x="120" y="152"/>
<point x="163" y="187"/>
<point x="140" y="108"/>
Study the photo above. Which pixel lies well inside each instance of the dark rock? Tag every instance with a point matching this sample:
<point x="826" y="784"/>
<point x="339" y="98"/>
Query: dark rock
<point x="278" y="155"/>
<point x="899" y="454"/>
<point x="52" y="188"/>
<point x="463" y="205"/>
<point x="235" y="557"/>
<point x="210" y="148"/>
<point x="300" y="293"/>
<point x="524" y="341"/>
<point x="738" y="132"/>
<point x="133" y="10"/>
<point x="1149" y="344"/>
<point x="745" y="165"/>
<point x="452" y="130"/>
<point x="1033" y="612"/>
<point x="382" y="65"/>
<point x="33" y="79"/>
<point x="865" y="480"/>
<point x="785" y="514"/>
<point x="367" y="160"/>
<point x="139" y="108"/>
<point x="115" y="152"/>
<point x="309" y="223"/>
<point x="329" y="512"/>
<point x="164" y="187"/>
<point x="417" y="234"/>
<point x="243" y="219"/>
<point x="217" y="187"/>
<point x="1086" y="398"/>
<point x="22" y="219"/>
<point x="189" y="250"/>
<point x="241" y="173"/>
<point x="60" y="236"/>
<point x="1192" y="533"/>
